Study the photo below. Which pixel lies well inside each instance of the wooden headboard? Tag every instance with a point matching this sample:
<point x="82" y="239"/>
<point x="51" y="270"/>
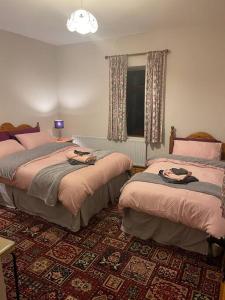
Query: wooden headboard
<point x="196" y="136"/>
<point x="10" y="127"/>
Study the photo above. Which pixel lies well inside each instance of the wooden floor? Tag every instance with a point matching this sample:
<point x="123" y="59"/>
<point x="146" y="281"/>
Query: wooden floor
<point x="137" y="169"/>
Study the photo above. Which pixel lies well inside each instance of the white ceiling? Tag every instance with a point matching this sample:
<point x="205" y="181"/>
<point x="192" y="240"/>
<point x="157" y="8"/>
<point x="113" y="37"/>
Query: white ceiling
<point x="45" y="20"/>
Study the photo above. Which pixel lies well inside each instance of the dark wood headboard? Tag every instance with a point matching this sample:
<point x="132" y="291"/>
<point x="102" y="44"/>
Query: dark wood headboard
<point x="195" y="136"/>
<point x="10" y="127"/>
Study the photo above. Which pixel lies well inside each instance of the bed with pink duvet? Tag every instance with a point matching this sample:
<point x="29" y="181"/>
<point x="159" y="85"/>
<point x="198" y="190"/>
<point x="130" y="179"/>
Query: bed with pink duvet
<point x="174" y="214"/>
<point x="81" y="192"/>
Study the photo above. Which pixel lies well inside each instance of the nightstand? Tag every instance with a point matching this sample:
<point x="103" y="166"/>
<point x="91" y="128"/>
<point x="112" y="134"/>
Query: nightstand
<point x="64" y="140"/>
<point x="7" y="247"/>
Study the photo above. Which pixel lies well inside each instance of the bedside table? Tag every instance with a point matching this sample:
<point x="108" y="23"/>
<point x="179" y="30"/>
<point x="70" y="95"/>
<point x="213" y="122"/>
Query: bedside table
<point x="64" y="140"/>
<point x="7" y="247"/>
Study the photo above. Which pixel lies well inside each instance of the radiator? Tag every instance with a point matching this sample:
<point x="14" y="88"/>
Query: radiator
<point x="133" y="147"/>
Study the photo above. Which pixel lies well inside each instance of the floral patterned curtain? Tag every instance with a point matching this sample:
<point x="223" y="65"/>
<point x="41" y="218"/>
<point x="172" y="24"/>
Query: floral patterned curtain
<point x="117" y="130"/>
<point x="154" y="96"/>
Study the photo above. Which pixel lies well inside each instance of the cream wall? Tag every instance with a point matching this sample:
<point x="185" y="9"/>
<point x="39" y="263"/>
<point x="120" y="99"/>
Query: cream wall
<point x="39" y="82"/>
<point x="195" y="94"/>
<point x="28" y="76"/>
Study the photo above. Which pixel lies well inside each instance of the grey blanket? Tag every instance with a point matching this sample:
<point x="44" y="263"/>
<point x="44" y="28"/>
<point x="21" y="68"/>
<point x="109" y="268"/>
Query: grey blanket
<point x="10" y="163"/>
<point x="202" y="187"/>
<point x="45" y="184"/>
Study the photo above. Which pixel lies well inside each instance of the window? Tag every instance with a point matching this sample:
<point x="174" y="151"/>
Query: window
<point x="135" y="101"/>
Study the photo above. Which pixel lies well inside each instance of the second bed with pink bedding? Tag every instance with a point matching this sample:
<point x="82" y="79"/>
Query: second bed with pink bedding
<point x="180" y="209"/>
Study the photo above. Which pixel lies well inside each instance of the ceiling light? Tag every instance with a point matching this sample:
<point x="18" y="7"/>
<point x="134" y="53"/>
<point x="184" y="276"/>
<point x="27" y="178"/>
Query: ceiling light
<point x="82" y="21"/>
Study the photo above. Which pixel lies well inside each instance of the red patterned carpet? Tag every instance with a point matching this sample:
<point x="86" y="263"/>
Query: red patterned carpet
<point x="100" y="262"/>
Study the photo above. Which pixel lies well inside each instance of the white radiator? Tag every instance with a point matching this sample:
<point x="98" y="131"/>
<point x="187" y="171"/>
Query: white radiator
<point x="133" y="147"/>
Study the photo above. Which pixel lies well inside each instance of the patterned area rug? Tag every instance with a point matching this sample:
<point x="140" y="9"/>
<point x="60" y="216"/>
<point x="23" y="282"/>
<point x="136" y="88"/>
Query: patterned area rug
<point x="100" y="262"/>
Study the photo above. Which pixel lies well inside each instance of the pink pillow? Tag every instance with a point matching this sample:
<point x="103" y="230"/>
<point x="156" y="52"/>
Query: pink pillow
<point x="32" y="140"/>
<point x="9" y="147"/>
<point x="207" y="150"/>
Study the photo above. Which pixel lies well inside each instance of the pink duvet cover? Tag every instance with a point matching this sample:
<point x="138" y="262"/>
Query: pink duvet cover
<point x="194" y="209"/>
<point x="78" y="185"/>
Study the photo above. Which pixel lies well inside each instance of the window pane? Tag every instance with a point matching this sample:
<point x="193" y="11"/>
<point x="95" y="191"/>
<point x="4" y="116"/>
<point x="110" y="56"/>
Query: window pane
<point x="135" y="102"/>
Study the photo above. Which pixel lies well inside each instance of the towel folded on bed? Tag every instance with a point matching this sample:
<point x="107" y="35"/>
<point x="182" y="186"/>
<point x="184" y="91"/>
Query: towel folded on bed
<point x="74" y="162"/>
<point x="174" y="175"/>
<point x="180" y="171"/>
<point x="169" y="173"/>
<point x="84" y="158"/>
<point x="81" y="153"/>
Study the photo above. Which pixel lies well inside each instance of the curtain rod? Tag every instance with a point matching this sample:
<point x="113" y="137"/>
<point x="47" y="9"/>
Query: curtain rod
<point x="136" y="54"/>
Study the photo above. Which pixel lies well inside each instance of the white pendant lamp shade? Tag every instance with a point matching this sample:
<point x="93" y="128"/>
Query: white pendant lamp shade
<point x="82" y="21"/>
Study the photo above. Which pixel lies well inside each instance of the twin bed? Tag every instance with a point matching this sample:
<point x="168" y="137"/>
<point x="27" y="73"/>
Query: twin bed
<point x="82" y="193"/>
<point x="183" y="216"/>
<point x="174" y="214"/>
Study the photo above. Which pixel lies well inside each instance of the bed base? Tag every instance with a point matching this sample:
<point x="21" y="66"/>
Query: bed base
<point x="145" y="226"/>
<point x="58" y="214"/>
